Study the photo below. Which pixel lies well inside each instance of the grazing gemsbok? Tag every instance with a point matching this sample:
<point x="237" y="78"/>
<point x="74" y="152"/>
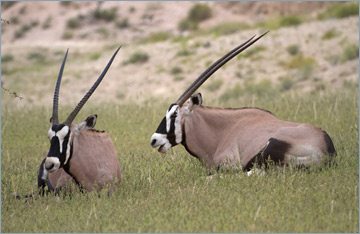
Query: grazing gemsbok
<point x="242" y="137"/>
<point x="78" y="153"/>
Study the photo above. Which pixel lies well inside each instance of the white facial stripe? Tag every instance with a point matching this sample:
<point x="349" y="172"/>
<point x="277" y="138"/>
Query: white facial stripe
<point x="168" y="115"/>
<point x="68" y="149"/>
<point x="178" y="130"/>
<point x="61" y="135"/>
<point x="63" y="132"/>
<point x="51" y="133"/>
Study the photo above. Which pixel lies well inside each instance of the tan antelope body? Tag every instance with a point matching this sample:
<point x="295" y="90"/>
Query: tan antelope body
<point x="78" y="153"/>
<point x="99" y="166"/>
<point x="244" y="137"/>
<point x="220" y="136"/>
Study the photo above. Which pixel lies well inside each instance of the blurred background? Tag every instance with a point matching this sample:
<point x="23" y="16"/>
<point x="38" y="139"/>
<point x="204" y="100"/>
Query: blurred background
<point x="311" y="47"/>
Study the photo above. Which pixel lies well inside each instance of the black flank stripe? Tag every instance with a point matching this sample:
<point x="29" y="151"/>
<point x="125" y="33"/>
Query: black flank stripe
<point x="183" y="142"/>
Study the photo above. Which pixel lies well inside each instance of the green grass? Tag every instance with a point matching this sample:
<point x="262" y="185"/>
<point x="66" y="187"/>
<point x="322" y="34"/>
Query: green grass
<point x="227" y="28"/>
<point x="156" y="37"/>
<point x="340" y="10"/>
<point x="172" y="193"/>
<point x="281" y="21"/>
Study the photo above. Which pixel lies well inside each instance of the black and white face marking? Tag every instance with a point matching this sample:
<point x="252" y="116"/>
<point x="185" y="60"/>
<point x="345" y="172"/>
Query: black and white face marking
<point x="169" y="133"/>
<point x="59" y="153"/>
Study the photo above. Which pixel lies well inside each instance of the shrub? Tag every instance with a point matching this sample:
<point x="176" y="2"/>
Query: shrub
<point x="14" y="20"/>
<point x="350" y="52"/>
<point x="293" y="49"/>
<point x="286" y="83"/>
<point x="22" y="10"/>
<point x="305" y="65"/>
<point x="107" y="15"/>
<point x="34" y="23"/>
<point x="95" y="56"/>
<point x="228" y="28"/>
<point x="132" y="9"/>
<point x="330" y="34"/>
<point x="65" y="3"/>
<point x="187" y="25"/>
<point x="178" y="78"/>
<point x="73" y="23"/>
<point x="290" y="20"/>
<point x="104" y="32"/>
<point x="67" y="35"/>
<point x="340" y="10"/>
<point x="299" y="61"/>
<point x="47" y="23"/>
<point x="176" y="70"/>
<point x="7" y="58"/>
<point x="184" y="52"/>
<point x="8" y="4"/>
<point x="21" y="32"/>
<point x="123" y="23"/>
<point x="138" y="57"/>
<point x="38" y="57"/>
<point x="156" y="37"/>
<point x="199" y="12"/>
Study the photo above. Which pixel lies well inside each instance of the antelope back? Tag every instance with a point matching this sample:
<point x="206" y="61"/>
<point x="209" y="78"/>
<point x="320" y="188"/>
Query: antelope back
<point x="94" y="160"/>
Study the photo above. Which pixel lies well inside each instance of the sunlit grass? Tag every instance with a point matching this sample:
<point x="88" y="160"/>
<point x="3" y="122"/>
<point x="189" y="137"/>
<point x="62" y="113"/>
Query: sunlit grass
<point x="172" y="193"/>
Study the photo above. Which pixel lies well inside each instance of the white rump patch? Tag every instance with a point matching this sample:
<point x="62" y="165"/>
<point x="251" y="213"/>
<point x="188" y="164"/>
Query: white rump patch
<point x="305" y="155"/>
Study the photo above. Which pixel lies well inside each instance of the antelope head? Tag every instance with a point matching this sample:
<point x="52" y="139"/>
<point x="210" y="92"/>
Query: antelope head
<point x="170" y="131"/>
<point x="61" y="134"/>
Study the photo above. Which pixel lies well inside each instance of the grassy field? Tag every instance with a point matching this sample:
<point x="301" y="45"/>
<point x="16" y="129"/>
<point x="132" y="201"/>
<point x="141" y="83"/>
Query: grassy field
<point x="172" y="192"/>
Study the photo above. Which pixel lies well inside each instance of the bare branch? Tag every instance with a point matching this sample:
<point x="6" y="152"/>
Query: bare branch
<point x="4" y="20"/>
<point x="11" y="92"/>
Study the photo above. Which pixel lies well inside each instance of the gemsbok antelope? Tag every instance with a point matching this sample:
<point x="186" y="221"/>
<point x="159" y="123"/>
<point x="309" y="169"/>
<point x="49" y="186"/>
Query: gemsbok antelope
<point x="244" y="137"/>
<point x="78" y="153"/>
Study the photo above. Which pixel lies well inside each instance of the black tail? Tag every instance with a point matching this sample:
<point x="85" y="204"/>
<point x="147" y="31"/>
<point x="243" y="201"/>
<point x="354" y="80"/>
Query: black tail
<point x="329" y="144"/>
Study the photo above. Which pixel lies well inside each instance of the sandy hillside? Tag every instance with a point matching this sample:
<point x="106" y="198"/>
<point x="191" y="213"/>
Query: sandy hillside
<point x="34" y="43"/>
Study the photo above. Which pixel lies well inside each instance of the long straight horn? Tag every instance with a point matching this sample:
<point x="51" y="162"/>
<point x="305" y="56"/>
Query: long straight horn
<point x="55" y="118"/>
<point x="214" y="67"/>
<point x="73" y="114"/>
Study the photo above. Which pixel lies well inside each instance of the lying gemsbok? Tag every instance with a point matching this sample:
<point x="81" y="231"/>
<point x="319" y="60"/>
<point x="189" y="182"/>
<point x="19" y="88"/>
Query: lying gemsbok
<point x="78" y="153"/>
<point x="225" y="136"/>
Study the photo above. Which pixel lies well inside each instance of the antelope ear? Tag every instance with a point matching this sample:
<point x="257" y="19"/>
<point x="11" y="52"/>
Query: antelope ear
<point x="195" y="101"/>
<point x="89" y="123"/>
